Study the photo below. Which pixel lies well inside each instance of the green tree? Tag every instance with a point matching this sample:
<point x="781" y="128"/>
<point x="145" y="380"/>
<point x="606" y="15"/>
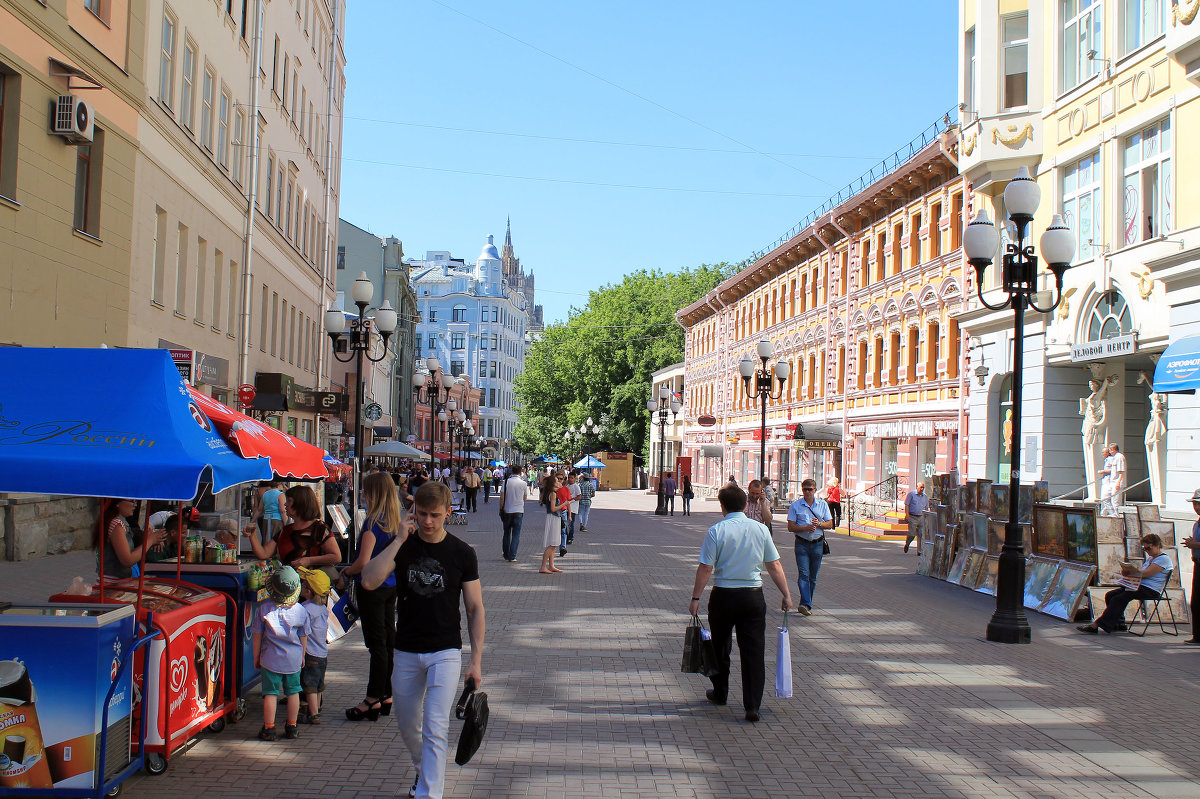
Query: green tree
<point x="598" y="363"/>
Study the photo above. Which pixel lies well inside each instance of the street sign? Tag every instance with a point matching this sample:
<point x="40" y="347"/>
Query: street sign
<point x="373" y="411"/>
<point x="246" y="394"/>
<point x="706" y="420"/>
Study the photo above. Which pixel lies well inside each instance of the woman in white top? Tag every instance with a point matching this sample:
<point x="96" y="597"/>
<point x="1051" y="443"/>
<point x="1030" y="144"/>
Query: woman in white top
<point x="1155" y="569"/>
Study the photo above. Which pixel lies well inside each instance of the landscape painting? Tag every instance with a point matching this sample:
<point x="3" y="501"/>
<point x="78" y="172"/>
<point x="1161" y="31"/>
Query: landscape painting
<point x="1080" y="527"/>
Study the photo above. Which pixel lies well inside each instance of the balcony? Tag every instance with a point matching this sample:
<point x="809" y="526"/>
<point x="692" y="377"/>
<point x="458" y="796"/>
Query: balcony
<point x="1183" y="37"/>
<point x="992" y="148"/>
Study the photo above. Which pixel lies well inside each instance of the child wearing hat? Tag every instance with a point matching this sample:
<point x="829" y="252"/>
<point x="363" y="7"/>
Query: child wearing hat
<point x="281" y="629"/>
<point x="314" y="596"/>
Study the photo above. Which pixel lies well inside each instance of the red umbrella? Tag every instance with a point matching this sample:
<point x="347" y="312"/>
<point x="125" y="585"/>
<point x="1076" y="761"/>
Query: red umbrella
<point x="289" y="456"/>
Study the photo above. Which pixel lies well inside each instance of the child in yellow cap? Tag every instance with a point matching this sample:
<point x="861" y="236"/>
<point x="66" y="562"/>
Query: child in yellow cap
<point x="314" y="596"/>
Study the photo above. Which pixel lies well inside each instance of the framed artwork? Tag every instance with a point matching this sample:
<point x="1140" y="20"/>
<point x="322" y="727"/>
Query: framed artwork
<point x="1025" y="505"/>
<point x="1110" y="530"/>
<point x="925" y="560"/>
<point x="946" y="517"/>
<point x="939" y="552"/>
<point x="983" y="496"/>
<point x="1163" y="529"/>
<point x="954" y="532"/>
<point x="999" y="501"/>
<point x="978" y="525"/>
<point x="1133" y="549"/>
<point x="1041" y="491"/>
<point x="936" y="520"/>
<point x="1133" y="526"/>
<point x="1147" y="512"/>
<point x="1068" y="591"/>
<point x="995" y="539"/>
<point x="1027" y="538"/>
<point x="1039" y="580"/>
<point x="1080" y="527"/>
<point x="1109" y="558"/>
<point x="973" y="573"/>
<point x="954" y="501"/>
<point x="958" y="567"/>
<point x="340" y="519"/>
<point x="968" y="494"/>
<point x="1049" y="536"/>
<point x="991" y="571"/>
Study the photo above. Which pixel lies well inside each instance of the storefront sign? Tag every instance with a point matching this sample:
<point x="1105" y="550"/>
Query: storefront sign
<point x="197" y="367"/>
<point x="896" y="429"/>
<point x="318" y="401"/>
<point x="706" y="420"/>
<point x="183" y="362"/>
<point x="1105" y="348"/>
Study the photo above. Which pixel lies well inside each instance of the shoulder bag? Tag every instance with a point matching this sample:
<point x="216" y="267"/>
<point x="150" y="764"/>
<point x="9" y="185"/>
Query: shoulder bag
<point x="503" y="490"/>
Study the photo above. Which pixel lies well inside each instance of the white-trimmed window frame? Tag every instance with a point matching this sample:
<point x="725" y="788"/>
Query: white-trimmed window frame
<point x="1082" y="32"/>
<point x="1081" y="187"/>
<point x="1149" y="171"/>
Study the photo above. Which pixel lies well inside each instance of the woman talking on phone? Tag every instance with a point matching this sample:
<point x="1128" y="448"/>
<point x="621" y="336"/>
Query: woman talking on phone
<point x="377" y="608"/>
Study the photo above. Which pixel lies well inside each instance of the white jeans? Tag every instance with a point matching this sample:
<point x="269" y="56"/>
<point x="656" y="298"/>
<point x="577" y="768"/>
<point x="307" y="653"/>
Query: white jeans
<point x="424" y="690"/>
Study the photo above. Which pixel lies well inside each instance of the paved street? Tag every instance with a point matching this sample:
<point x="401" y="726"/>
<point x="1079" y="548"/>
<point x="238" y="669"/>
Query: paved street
<point x="897" y="693"/>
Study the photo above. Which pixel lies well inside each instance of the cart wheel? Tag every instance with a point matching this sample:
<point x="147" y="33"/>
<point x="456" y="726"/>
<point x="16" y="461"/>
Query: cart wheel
<point x="240" y="713"/>
<point x="218" y="725"/>
<point x="155" y="764"/>
<point x="116" y="791"/>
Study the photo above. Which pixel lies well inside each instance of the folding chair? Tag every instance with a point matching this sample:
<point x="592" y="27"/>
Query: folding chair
<point x="1155" y="612"/>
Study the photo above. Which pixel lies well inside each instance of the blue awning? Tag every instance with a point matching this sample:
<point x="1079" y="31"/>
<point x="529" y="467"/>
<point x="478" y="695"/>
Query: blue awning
<point x="1178" y="370"/>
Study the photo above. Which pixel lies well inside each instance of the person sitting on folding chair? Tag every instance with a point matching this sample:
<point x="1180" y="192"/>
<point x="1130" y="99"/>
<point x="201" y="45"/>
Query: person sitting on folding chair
<point x="1154" y="572"/>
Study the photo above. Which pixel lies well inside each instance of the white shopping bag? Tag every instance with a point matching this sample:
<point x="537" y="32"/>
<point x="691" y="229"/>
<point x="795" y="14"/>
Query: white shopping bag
<point x="783" y="663"/>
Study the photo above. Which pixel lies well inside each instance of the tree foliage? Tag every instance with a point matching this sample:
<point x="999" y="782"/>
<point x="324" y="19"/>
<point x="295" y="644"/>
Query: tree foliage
<point x="598" y="363"/>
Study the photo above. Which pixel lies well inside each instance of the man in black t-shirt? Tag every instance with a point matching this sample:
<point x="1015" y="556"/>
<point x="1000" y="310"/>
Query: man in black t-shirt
<point x="433" y="568"/>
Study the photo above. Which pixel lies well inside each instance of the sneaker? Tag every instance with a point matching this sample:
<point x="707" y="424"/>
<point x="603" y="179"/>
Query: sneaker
<point x="291" y="731"/>
<point x="311" y="718"/>
<point x="804" y="610"/>
<point x="570" y="541"/>
<point x="266" y="733"/>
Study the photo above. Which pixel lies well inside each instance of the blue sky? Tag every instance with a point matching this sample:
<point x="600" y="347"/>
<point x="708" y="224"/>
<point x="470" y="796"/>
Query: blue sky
<point x="625" y="135"/>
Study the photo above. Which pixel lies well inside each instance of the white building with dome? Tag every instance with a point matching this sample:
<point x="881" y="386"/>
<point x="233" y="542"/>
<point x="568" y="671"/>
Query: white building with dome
<point x="475" y="322"/>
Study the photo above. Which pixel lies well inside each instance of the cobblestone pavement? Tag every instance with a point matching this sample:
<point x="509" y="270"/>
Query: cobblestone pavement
<point x="897" y="694"/>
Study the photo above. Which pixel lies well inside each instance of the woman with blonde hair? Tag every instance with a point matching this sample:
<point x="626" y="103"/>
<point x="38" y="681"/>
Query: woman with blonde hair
<point x="376" y="608"/>
<point x="833" y="498"/>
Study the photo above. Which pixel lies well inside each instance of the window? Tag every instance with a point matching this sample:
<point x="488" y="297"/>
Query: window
<point x="166" y="64"/>
<point x="275" y="320"/>
<point x="207" y="101"/>
<point x="492" y="403"/>
<point x="1148" y="183"/>
<point x="1081" y="206"/>
<point x="433" y="314"/>
<point x="893" y="371"/>
<point x="223" y="128"/>
<point x="262" y="320"/>
<point x="914" y="241"/>
<point x="458" y="341"/>
<point x="492" y="371"/>
<point x="97" y="7"/>
<point x="432" y="344"/>
<point x="160" y="255"/>
<point x="1016" y="60"/>
<point x="1142" y="21"/>
<point x="877" y="363"/>
<point x="270" y="182"/>
<point x="341" y="256"/>
<point x="935" y="230"/>
<point x="933" y="350"/>
<point x="275" y="69"/>
<point x="9" y="117"/>
<point x="88" y="171"/>
<point x="1083" y="33"/>
<point x="459" y="314"/>
<point x="201" y="279"/>
<point x="897" y="250"/>
<point x="238" y="153"/>
<point x="1110" y="318"/>
<point x="458" y="367"/>
<point x="218" y="257"/>
<point x="861" y="372"/>
<point x="953" y="349"/>
<point x="181" y="269"/>
<point x="284" y="95"/>
<point x="914" y="352"/>
<point x="968" y="87"/>
<point x="187" y="91"/>
<point x="279" y="194"/>
<point x="482" y="368"/>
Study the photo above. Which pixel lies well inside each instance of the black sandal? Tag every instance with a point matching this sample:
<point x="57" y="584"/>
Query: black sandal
<point x="356" y="713"/>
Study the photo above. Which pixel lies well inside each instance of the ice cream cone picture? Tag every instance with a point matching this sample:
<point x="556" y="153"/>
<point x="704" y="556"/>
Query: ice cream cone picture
<point x="23" y="755"/>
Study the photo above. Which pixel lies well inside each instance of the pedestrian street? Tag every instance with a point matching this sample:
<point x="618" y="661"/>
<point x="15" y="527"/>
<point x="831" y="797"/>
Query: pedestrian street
<point x="896" y="692"/>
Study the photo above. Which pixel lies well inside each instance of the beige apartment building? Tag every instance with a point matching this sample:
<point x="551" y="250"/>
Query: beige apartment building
<point x="66" y="197"/>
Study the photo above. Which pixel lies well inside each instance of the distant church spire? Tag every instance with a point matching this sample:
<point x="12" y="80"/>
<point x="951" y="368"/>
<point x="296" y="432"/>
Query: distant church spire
<point x="508" y="233"/>
<point x="511" y="264"/>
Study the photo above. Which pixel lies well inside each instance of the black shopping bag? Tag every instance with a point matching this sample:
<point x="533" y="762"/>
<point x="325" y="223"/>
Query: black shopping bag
<point x="473" y="710"/>
<point x="693" y="646"/>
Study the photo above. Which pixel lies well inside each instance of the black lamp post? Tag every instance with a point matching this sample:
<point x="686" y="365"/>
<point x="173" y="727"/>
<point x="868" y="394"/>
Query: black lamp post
<point x="432" y="387"/>
<point x="764" y="382"/>
<point x="664" y="404"/>
<point x="1008" y="624"/>
<point x="360" y="347"/>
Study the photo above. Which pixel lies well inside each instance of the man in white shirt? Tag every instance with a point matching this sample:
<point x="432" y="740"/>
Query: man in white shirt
<point x="1112" y="484"/>
<point x="512" y="510"/>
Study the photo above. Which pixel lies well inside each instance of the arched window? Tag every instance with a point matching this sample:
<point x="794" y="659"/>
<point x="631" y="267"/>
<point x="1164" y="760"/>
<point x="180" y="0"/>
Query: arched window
<point x="459" y="314"/>
<point x="1110" y="318"/>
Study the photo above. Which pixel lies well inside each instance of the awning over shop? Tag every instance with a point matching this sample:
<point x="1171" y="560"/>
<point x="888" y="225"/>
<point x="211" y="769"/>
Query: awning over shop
<point x="1178" y="370"/>
<point x="818" y="432"/>
<point x="712" y="451"/>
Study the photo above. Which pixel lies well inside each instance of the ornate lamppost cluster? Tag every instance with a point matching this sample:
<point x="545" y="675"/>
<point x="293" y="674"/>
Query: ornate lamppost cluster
<point x="763" y="387"/>
<point x="432" y="386"/>
<point x="579" y="436"/>
<point x="1020" y="279"/>
<point x="362" y="335"/>
<point x="664" y="404"/>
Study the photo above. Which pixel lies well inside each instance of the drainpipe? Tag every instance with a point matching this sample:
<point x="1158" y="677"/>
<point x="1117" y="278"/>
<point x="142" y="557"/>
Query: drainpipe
<point x="251" y="198"/>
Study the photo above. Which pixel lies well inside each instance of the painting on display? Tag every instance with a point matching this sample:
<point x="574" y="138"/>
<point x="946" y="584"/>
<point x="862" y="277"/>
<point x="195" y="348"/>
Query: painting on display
<point x="1039" y="580"/>
<point x="1109" y="558"/>
<point x="1000" y="502"/>
<point x="995" y="540"/>
<point x="946" y="516"/>
<point x="1025" y="505"/>
<point x="1147" y="513"/>
<point x="1041" y="491"/>
<point x="1163" y="529"/>
<point x="978" y="523"/>
<point x="1068" y="591"/>
<point x="1133" y="527"/>
<point x="967" y="496"/>
<point x="1049" y="536"/>
<point x="973" y="574"/>
<point x="991" y="572"/>
<point x="925" y="560"/>
<point x="954" y="533"/>
<point x="958" y="567"/>
<point x="983" y="496"/>
<point x="1080" y="527"/>
<point x="953" y="500"/>
<point x="1133" y="549"/>
<point x="939" y="551"/>
<point x="1110" y="530"/>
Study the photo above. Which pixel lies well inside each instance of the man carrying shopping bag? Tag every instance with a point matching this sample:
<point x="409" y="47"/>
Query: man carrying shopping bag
<point x="735" y="552"/>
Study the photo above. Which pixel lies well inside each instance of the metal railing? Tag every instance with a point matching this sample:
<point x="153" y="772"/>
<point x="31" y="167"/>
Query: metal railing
<point x="873" y="502"/>
<point x="1084" y="487"/>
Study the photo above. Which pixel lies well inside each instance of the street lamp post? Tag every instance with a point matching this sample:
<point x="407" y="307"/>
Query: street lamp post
<point x="1008" y="624"/>
<point x="360" y="347"/>
<point x="663" y="407"/>
<point x="764" y="380"/>
<point x="429" y="380"/>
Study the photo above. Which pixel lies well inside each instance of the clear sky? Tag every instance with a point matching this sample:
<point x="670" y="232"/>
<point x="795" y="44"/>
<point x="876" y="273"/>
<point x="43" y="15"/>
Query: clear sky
<point x="626" y="134"/>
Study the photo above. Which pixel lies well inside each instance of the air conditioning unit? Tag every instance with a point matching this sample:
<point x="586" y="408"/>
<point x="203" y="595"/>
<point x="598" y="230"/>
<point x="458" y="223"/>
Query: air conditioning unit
<point x="73" y="119"/>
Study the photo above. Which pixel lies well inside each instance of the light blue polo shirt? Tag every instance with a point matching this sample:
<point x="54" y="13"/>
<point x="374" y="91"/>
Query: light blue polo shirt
<point x="737" y="548"/>
<point x="802" y="513"/>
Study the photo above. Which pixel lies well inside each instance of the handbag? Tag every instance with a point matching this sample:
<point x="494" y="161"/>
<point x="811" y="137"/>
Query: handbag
<point x="345" y="607"/>
<point x="473" y="710"/>
<point x="824" y="545"/>
<point x="503" y="515"/>
<point x="693" y="657"/>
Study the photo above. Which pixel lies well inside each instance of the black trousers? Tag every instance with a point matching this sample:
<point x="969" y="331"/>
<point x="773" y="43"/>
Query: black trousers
<point x="1116" y="601"/>
<point x="472" y="503"/>
<point x="377" y="615"/>
<point x="1195" y="601"/>
<point x="743" y="610"/>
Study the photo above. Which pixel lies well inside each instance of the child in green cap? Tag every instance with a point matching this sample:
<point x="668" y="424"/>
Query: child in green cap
<point x="281" y="628"/>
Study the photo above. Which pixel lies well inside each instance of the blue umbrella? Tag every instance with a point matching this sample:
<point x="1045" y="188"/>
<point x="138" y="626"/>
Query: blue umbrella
<point x="108" y="423"/>
<point x="589" y="463"/>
